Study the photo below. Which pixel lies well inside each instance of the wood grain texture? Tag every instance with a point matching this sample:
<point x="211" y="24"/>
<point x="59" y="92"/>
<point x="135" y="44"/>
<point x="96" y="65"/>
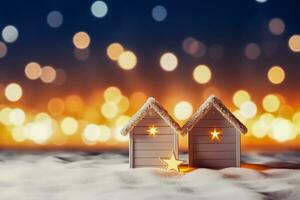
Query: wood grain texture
<point x="151" y="154"/>
<point x="211" y="123"/>
<point x="152" y="121"/>
<point x="238" y="148"/>
<point x="214" y="155"/>
<point x="142" y="130"/>
<point x="156" y="138"/>
<point x="214" y="147"/>
<point x="216" y="164"/>
<point x="206" y="139"/>
<point x="206" y="131"/>
<point x="148" y="161"/>
<point x="153" y="146"/>
<point x="214" y="114"/>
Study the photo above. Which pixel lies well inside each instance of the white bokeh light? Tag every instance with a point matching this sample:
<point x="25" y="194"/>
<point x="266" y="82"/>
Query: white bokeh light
<point x="10" y="34"/>
<point x="99" y="9"/>
<point x="159" y="13"/>
<point x="55" y="19"/>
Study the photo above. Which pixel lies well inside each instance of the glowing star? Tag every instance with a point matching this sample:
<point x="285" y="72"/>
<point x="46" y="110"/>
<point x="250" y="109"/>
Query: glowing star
<point x="172" y="163"/>
<point x="215" y="135"/>
<point x="152" y="130"/>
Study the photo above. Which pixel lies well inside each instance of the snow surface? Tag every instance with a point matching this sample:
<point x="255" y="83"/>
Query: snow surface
<point x="86" y="176"/>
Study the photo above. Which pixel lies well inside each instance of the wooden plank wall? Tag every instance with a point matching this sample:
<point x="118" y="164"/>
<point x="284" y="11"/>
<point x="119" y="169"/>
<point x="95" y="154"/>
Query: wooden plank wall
<point x="204" y="152"/>
<point x="146" y="150"/>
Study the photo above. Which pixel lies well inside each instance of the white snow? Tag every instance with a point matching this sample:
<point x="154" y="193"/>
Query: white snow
<point x="75" y="176"/>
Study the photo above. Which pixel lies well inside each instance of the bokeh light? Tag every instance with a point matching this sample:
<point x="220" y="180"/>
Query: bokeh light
<point x="248" y="109"/>
<point x="276" y="26"/>
<point x="159" y="13"/>
<point x="39" y="132"/>
<point x="105" y="133"/>
<point x="271" y="103"/>
<point x="137" y="99"/>
<point x="17" y="116"/>
<point x="69" y="125"/>
<point x="48" y="74"/>
<point x="99" y="9"/>
<point x="55" y="19"/>
<point x="91" y="134"/>
<point x="109" y="110"/>
<point x="127" y="60"/>
<point x="252" y="51"/>
<point x="202" y="74"/>
<point x="81" y="40"/>
<point x="10" y="34"/>
<point x="168" y="61"/>
<point x="114" y="50"/>
<point x="112" y="94"/>
<point x="194" y="47"/>
<point x="276" y="75"/>
<point x="13" y="92"/>
<point x="3" y="49"/>
<point x="33" y="70"/>
<point x="183" y="110"/>
<point x="282" y="129"/>
<point x="18" y="134"/>
<point x="239" y="97"/>
<point x="294" y="43"/>
<point x="56" y="106"/>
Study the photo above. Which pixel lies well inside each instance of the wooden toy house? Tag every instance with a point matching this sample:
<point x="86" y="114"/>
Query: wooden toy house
<point x="213" y="136"/>
<point x="153" y="135"/>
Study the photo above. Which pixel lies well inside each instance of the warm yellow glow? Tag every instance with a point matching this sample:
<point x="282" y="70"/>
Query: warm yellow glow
<point x="137" y="99"/>
<point x="13" y="92"/>
<point x="39" y="132"/>
<point x="4" y="116"/>
<point x="296" y="121"/>
<point x="183" y="110"/>
<point x="17" y="116"/>
<point x="41" y="117"/>
<point x="73" y="104"/>
<point x="109" y="110"/>
<point x="248" y="109"/>
<point x="172" y="163"/>
<point x="286" y="111"/>
<point x="127" y="60"/>
<point x="123" y="105"/>
<point x="81" y="40"/>
<point x="69" y="125"/>
<point x="48" y="74"/>
<point x="91" y="134"/>
<point x="113" y="94"/>
<point x="271" y="103"/>
<point x="259" y="129"/>
<point x="237" y="114"/>
<point x="18" y="134"/>
<point x="105" y="133"/>
<point x="168" y="61"/>
<point x="114" y="50"/>
<point x="56" y="106"/>
<point x="33" y="70"/>
<point x="240" y="97"/>
<point x="152" y="130"/>
<point x="262" y="127"/>
<point x="294" y="43"/>
<point x="118" y="136"/>
<point x="122" y="120"/>
<point x="215" y="135"/>
<point x="202" y="74"/>
<point x="282" y="130"/>
<point x="276" y="75"/>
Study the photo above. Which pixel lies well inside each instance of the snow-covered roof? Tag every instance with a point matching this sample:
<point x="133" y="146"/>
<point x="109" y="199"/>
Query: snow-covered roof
<point x="151" y="103"/>
<point x="213" y="102"/>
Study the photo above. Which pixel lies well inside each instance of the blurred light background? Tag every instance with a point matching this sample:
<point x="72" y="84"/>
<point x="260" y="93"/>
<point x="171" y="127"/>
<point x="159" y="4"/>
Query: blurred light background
<point x="72" y="73"/>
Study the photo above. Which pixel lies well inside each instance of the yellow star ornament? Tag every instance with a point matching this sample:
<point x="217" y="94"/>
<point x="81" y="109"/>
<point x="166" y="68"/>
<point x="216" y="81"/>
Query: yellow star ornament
<point x="172" y="163"/>
<point x="215" y="135"/>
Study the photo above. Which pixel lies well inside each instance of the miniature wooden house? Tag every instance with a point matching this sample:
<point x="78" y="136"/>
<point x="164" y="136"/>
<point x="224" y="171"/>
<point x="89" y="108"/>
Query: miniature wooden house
<point x="153" y="135"/>
<point x="214" y="136"/>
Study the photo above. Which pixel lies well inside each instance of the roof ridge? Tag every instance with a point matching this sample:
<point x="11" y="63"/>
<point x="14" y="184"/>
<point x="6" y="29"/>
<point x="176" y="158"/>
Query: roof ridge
<point x="158" y="108"/>
<point x="213" y="101"/>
